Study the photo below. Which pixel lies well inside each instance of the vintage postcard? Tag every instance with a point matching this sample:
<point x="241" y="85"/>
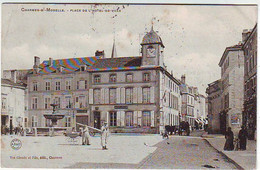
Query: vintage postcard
<point x="147" y="86"/>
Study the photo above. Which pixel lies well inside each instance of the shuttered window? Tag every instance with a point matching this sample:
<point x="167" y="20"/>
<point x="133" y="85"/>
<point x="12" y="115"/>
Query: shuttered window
<point x="113" y="118"/>
<point x="112" y="96"/>
<point x="129" y="95"/>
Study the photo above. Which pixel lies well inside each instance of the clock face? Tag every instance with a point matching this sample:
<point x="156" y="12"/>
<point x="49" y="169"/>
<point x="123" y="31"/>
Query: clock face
<point x="151" y="52"/>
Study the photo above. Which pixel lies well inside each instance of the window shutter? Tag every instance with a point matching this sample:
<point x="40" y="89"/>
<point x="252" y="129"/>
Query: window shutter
<point x="118" y="95"/>
<point x="122" y="118"/>
<point x="152" y="118"/>
<point x="152" y="94"/>
<point x="90" y="96"/>
<point x="106" y="95"/>
<point x="118" y="120"/>
<point x="122" y="95"/>
<point x="135" y="95"/>
<point x="135" y="118"/>
<point x="140" y="95"/>
<point x="108" y="118"/>
<point x="102" y="96"/>
<point x="139" y="118"/>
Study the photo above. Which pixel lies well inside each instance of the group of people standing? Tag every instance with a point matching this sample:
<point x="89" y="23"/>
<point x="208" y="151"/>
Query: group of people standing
<point x="104" y="136"/>
<point x="241" y="142"/>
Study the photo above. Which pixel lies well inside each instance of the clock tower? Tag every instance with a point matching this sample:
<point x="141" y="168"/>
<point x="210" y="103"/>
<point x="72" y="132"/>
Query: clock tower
<point x="152" y="49"/>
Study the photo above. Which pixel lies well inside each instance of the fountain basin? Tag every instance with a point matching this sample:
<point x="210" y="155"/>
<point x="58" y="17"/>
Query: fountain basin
<point x="54" y="117"/>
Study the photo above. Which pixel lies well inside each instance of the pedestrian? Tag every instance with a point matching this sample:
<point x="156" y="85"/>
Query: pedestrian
<point x="242" y="135"/>
<point x="229" y="145"/>
<point x="104" y="135"/>
<point x="85" y="136"/>
<point x="187" y="128"/>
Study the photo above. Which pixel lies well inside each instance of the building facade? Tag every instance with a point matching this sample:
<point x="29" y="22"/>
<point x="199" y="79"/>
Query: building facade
<point x="250" y="80"/>
<point x="13" y="104"/>
<point x="132" y="94"/>
<point x="232" y="78"/>
<point x="214" y="108"/>
<point x="193" y="104"/>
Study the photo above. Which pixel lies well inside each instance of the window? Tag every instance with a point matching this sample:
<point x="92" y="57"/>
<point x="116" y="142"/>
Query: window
<point x="129" y="118"/>
<point x="47" y="102"/>
<point x="86" y="84"/>
<point x="96" y="96"/>
<point x="112" y="78"/>
<point x="68" y="122"/>
<point x="25" y="122"/>
<point x="35" y="86"/>
<point x="112" y="96"/>
<point x="146" y="118"/>
<point x="47" y="86"/>
<point x="68" y="102"/>
<point x="113" y="118"/>
<point x="57" y="87"/>
<point x="3" y="103"/>
<point x="68" y="85"/>
<point x="97" y="79"/>
<point x="146" y="77"/>
<point x="129" y="95"/>
<point x="81" y="101"/>
<point x="34" y="102"/>
<point x="34" y="121"/>
<point x="81" y="84"/>
<point x="57" y="101"/>
<point x="82" y="68"/>
<point x="146" y="95"/>
<point x="129" y="77"/>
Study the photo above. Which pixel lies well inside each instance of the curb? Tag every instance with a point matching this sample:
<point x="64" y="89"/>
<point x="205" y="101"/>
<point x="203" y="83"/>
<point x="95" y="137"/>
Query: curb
<point x="228" y="158"/>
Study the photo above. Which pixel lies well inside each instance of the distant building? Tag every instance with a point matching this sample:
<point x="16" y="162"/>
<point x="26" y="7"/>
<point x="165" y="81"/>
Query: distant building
<point x="132" y="94"/>
<point x="13" y="104"/>
<point x="193" y="108"/>
<point x="250" y="80"/>
<point x="232" y="78"/>
<point x="214" y="107"/>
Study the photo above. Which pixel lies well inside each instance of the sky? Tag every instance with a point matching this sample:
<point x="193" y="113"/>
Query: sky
<point x="194" y="36"/>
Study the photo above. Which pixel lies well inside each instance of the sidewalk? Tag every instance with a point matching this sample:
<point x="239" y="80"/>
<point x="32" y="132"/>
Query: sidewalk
<point x="244" y="159"/>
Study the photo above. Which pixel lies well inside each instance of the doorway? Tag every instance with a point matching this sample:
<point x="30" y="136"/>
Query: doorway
<point x="96" y="119"/>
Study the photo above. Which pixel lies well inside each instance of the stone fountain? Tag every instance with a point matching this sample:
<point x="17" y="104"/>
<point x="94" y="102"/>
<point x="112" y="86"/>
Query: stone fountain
<point x="54" y="117"/>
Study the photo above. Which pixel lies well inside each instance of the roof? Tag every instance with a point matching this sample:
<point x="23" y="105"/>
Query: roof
<point x="152" y="38"/>
<point x="69" y="65"/>
<point x="117" y="63"/>
<point x="231" y="48"/>
<point x="11" y="83"/>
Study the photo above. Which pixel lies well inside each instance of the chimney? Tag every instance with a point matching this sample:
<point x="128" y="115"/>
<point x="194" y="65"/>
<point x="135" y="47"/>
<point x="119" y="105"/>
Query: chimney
<point x="36" y="61"/>
<point x="171" y="72"/>
<point x="13" y="76"/>
<point x="100" y="54"/>
<point x="183" y="79"/>
<point x="245" y="35"/>
<point x="36" y="64"/>
<point x="196" y="90"/>
<point x="50" y="62"/>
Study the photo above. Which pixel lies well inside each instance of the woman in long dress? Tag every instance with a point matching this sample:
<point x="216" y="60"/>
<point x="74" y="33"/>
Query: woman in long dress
<point x="229" y="145"/>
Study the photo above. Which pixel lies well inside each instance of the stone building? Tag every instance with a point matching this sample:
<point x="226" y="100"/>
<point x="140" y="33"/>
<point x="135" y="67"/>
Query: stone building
<point x="250" y="80"/>
<point x="132" y="94"/>
<point x="13" y="104"/>
<point x="214" y="107"/>
<point x="232" y="78"/>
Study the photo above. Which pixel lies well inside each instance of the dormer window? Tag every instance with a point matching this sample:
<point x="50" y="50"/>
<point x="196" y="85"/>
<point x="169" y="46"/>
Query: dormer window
<point x="112" y="78"/>
<point x="82" y="68"/>
<point x="146" y="77"/>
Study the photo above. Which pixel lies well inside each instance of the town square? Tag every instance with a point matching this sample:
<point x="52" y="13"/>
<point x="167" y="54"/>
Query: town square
<point x="129" y="86"/>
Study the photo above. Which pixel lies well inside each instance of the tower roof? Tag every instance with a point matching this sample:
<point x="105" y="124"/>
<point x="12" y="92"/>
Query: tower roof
<point x="152" y="38"/>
